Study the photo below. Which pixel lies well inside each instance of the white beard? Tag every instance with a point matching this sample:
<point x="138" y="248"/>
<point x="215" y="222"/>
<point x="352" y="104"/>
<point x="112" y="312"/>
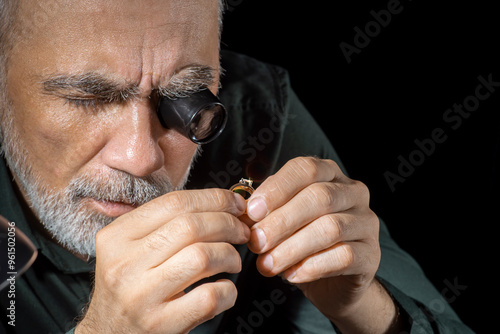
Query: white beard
<point x="74" y="225"/>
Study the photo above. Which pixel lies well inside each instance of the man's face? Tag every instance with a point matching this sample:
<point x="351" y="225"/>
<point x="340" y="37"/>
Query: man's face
<point x="83" y="91"/>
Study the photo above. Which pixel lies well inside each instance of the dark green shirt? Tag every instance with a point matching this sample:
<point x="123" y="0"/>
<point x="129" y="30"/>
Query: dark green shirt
<point x="267" y="126"/>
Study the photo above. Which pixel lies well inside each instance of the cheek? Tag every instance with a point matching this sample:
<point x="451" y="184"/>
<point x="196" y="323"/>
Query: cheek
<point x="56" y="140"/>
<point x="58" y="143"/>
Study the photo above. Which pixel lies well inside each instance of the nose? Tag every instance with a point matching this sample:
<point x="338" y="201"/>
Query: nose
<point x="133" y="144"/>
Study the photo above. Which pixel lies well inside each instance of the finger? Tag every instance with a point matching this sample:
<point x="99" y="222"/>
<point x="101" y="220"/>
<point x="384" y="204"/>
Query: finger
<point x="245" y="219"/>
<point x="190" y="265"/>
<point x="294" y="176"/>
<point x="317" y="236"/>
<point x="188" y="229"/>
<point x="150" y="216"/>
<point x="198" y="306"/>
<point x="309" y="204"/>
<point x="344" y="258"/>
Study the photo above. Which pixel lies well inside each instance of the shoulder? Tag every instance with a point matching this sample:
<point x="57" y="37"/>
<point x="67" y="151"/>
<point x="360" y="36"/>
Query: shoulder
<point x="249" y="83"/>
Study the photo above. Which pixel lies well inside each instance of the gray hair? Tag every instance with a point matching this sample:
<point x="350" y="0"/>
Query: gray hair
<point x="7" y="14"/>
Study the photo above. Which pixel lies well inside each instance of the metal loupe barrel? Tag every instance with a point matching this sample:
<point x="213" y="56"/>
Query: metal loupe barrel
<point x="200" y="117"/>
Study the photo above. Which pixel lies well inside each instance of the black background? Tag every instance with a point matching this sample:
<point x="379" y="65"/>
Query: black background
<point x="393" y="92"/>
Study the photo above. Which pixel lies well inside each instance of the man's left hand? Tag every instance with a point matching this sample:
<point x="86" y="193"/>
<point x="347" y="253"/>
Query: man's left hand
<point x="314" y="227"/>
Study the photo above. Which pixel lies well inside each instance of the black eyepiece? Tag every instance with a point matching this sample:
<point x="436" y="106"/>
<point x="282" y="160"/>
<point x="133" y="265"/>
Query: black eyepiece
<point x="200" y="117"/>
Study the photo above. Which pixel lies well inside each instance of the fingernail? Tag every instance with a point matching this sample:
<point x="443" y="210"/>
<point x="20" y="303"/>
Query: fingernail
<point x="268" y="262"/>
<point x="291" y="277"/>
<point x="241" y="204"/>
<point x="259" y="239"/>
<point x="257" y="208"/>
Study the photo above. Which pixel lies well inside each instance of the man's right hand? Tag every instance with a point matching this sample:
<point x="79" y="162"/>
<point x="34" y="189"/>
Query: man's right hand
<point x="149" y="256"/>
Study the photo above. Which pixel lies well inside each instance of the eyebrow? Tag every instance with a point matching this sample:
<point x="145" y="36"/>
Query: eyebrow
<point x="92" y="85"/>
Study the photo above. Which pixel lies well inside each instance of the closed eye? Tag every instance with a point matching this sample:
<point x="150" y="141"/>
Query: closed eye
<point x="85" y="103"/>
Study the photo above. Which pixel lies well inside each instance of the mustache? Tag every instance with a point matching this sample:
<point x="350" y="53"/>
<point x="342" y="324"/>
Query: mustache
<point x="118" y="186"/>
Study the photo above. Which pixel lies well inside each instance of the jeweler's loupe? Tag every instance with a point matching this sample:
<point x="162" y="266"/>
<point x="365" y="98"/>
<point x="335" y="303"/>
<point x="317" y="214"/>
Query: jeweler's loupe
<point x="200" y="117"/>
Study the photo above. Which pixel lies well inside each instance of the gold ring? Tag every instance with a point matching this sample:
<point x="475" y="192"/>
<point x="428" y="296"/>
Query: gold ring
<point x="244" y="188"/>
